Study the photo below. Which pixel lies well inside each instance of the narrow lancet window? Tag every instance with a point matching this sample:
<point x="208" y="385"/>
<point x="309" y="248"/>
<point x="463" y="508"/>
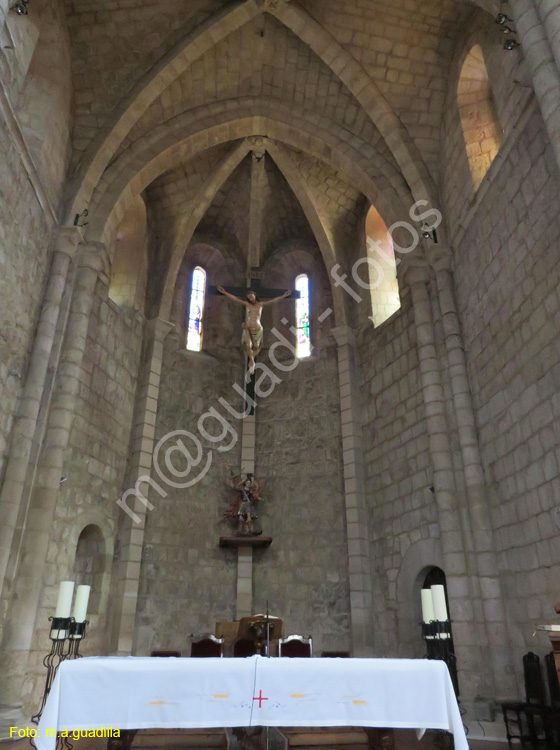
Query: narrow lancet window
<point x="303" y="346"/>
<point x="196" y="310"/>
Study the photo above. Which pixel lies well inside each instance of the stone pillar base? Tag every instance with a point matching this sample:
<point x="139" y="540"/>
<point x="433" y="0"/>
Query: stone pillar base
<point x="11" y="715"/>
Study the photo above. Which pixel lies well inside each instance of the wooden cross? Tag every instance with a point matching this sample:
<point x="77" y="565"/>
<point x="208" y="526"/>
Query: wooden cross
<point x="255" y="286"/>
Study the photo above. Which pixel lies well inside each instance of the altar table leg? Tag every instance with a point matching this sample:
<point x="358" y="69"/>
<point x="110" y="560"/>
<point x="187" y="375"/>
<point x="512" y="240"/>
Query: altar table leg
<point x="124" y="742"/>
<point x="381" y="739"/>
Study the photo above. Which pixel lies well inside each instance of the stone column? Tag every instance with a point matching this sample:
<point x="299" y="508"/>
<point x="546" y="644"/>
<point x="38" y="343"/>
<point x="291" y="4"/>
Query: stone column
<point x="24" y="604"/>
<point x="359" y="557"/>
<point x="134" y="500"/>
<point x="543" y="66"/>
<point x="25" y="421"/>
<point x="480" y="520"/>
<point x="549" y="13"/>
<point x="470" y="638"/>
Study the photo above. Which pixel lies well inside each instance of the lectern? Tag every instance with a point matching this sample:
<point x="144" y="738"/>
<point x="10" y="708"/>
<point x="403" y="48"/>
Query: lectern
<point x="262" y="629"/>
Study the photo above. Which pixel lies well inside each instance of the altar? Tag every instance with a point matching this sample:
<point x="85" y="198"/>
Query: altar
<point x="128" y="693"/>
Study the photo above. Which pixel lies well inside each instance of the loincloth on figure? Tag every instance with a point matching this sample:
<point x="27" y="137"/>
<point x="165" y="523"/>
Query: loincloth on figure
<point x="252" y="338"/>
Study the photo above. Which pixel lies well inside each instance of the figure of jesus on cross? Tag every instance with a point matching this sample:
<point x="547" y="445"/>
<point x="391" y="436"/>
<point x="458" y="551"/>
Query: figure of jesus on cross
<point x="252" y="335"/>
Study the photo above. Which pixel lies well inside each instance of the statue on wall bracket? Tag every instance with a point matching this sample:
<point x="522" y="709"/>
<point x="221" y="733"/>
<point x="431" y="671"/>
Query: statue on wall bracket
<point x="242" y="510"/>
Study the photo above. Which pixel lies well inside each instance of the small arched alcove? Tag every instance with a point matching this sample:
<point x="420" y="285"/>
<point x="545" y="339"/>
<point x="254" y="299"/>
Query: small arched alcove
<point x="90" y="564"/>
<point x="382" y="265"/>
<point x="482" y="131"/>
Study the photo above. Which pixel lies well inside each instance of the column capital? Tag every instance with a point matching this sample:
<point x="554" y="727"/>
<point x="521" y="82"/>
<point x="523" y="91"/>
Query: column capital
<point x="94" y="255"/>
<point x="66" y="240"/>
<point x="158" y="329"/>
<point x="344" y="336"/>
<point x="416" y="273"/>
<point x="440" y="257"/>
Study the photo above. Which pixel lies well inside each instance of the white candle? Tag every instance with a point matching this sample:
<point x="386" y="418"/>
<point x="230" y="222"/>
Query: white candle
<point x="427" y="609"/>
<point x="427" y="606"/>
<point x="64" y="603"/>
<point x="440" y="607"/>
<point x="80" y="605"/>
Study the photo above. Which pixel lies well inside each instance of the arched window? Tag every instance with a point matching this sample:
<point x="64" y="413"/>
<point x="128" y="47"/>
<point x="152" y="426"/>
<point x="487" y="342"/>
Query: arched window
<point x="481" y="128"/>
<point x="382" y="266"/>
<point x="196" y="310"/>
<point x="303" y="345"/>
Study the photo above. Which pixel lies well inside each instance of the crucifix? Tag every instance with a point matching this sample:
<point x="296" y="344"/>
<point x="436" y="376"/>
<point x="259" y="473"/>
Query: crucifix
<point x="253" y="297"/>
<point x="252" y="336"/>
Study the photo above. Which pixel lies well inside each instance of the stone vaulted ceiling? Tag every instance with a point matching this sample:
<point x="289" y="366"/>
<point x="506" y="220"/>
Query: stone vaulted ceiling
<point x="351" y="93"/>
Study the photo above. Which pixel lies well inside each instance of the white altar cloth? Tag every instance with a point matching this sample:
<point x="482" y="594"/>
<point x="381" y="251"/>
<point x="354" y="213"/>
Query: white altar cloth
<point x="149" y="692"/>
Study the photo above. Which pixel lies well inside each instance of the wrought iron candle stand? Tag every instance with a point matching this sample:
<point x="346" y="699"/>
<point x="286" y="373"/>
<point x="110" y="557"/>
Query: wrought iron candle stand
<point x="439" y="645"/>
<point x="66" y="635"/>
<point x="76" y="635"/>
<point x="58" y="634"/>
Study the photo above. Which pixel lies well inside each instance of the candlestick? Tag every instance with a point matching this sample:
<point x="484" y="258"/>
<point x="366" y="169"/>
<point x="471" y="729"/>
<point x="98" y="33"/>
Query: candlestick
<point x="427" y="606"/>
<point x="428" y="615"/>
<point x="64" y="602"/>
<point x="440" y="606"/>
<point x="80" y="605"/>
<point x="58" y="634"/>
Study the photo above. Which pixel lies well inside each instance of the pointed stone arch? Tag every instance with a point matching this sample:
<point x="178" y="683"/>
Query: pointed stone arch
<point x="366" y="92"/>
<point x="187" y="135"/>
<point x="297" y="185"/>
<point x="342" y="64"/>
<point x="103" y="148"/>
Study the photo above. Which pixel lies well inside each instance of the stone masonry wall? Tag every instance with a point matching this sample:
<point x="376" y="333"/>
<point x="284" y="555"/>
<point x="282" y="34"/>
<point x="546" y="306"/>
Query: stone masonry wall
<point x="95" y="460"/>
<point x="507" y="276"/>
<point x="304" y="574"/>
<point x="402" y="510"/>
<point x="23" y="264"/>
<point x="187" y="582"/>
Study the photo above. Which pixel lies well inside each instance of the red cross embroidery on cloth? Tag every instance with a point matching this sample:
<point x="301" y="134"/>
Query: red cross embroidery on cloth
<point x="260" y="698"/>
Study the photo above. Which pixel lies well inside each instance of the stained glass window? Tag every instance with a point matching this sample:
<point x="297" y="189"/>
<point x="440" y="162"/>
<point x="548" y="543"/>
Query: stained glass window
<point x="303" y="346"/>
<point x="196" y="310"/>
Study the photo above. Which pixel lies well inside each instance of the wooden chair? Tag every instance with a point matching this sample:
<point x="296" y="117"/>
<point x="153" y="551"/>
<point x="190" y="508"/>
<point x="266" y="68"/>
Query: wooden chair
<point x="295" y="646"/>
<point x="206" y="646"/>
<point x="335" y="654"/>
<point x="527" y="721"/>
<point x="552" y="715"/>
<point x="552" y="680"/>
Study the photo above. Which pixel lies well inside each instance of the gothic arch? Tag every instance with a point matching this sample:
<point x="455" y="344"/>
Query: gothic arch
<point x="103" y="148"/>
<point x="207" y="194"/>
<point x="189" y="134"/>
<point x="366" y="92"/>
<point x="342" y="64"/>
<point x="482" y="132"/>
